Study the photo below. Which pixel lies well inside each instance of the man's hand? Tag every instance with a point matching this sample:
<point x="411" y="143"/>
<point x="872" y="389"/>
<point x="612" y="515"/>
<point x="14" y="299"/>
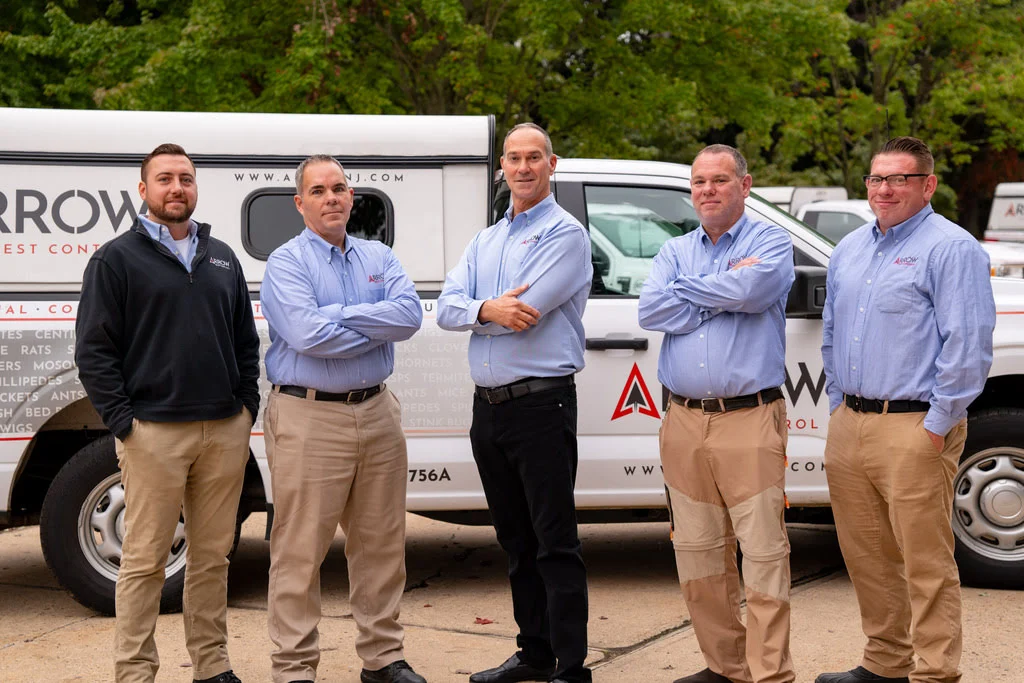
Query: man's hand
<point x="508" y="311"/>
<point x="749" y="261"/>
<point x="938" y="441"/>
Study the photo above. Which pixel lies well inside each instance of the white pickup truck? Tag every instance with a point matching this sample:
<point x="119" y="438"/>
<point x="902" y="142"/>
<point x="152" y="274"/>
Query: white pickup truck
<point x="424" y="185"/>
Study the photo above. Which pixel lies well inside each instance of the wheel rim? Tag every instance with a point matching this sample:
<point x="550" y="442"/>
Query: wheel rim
<point x="988" y="503"/>
<point x="101" y="530"/>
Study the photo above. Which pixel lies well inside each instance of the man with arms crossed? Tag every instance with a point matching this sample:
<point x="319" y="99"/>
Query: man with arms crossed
<point x="521" y="288"/>
<point x="907" y="346"/>
<point x="719" y="295"/>
<point x="336" y="305"/>
<point x="168" y="353"/>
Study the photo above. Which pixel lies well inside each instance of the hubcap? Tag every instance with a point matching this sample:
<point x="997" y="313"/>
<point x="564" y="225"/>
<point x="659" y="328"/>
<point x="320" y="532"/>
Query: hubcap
<point x="988" y="503"/>
<point x="101" y="528"/>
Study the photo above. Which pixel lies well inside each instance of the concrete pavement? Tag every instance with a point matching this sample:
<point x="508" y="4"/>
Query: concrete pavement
<point x="458" y="613"/>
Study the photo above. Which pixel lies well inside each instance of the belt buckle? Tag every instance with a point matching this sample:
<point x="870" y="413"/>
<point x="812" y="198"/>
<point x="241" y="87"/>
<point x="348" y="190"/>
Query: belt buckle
<point x="858" y="404"/>
<point x="494" y="396"/>
<point x="705" y="402"/>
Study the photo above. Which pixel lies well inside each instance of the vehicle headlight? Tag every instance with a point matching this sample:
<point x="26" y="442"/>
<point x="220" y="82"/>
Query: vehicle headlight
<point x="1008" y="270"/>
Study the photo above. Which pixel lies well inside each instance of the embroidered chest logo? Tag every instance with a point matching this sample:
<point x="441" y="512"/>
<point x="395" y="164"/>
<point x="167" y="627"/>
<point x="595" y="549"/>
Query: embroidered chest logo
<point x="734" y="260"/>
<point x="906" y="261"/>
<point x="376" y="279"/>
<point x="532" y="239"/>
<point x="220" y="263"/>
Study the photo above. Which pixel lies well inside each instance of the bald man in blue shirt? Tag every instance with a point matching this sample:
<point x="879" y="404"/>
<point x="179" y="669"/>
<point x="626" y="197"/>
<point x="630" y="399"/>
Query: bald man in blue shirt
<point x="521" y="288"/>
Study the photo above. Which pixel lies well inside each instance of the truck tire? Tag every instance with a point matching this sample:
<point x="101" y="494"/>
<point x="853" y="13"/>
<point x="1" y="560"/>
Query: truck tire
<point x="81" y="527"/>
<point x="988" y="500"/>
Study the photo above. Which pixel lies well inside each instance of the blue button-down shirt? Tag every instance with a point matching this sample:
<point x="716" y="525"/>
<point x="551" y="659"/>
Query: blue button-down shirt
<point x="909" y="316"/>
<point x="334" y="316"/>
<point x="725" y="330"/>
<point x="161" y="234"/>
<point x="546" y="248"/>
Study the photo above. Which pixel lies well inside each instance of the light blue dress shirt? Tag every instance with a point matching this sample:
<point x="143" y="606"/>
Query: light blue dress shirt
<point x="161" y="234"/>
<point x="725" y="330"/>
<point x="909" y="316"/>
<point x="546" y="248"/>
<point x="334" y="316"/>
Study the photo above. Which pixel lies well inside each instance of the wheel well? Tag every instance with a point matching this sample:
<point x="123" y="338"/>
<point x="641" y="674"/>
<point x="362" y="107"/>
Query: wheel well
<point x="63" y="435"/>
<point x="1000" y="392"/>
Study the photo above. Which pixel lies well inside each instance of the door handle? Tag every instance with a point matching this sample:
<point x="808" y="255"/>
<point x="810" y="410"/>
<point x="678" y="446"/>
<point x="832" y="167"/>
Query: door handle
<point x="608" y="343"/>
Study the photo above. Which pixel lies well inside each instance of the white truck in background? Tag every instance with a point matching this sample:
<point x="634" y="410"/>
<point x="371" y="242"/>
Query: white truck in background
<point x="1006" y="219"/>
<point x="423" y="185"/>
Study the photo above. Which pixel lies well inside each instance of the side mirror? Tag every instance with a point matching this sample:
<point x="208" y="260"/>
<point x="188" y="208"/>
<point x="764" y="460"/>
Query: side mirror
<point x="807" y="297"/>
<point x="602" y="264"/>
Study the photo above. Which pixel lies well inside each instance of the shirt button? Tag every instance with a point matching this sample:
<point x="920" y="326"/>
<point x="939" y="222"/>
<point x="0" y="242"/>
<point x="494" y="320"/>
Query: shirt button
<point x="719" y="310"/>
<point x="485" y="365"/>
<point x="716" y="260"/>
<point x="856" y="339"/>
<point x="853" y="367"/>
<point x="702" y="336"/>
<point x="709" y="393"/>
<point x="702" y="365"/>
<point x="869" y="282"/>
<point x="861" y="309"/>
<point x="879" y="253"/>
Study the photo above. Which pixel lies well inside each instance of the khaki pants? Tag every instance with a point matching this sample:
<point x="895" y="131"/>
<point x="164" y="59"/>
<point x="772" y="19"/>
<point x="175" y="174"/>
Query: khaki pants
<point x="169" y="469"/>
<point x="724" y="473"/>
<point x="332" y="463"/>
<point x="892" y="495"/>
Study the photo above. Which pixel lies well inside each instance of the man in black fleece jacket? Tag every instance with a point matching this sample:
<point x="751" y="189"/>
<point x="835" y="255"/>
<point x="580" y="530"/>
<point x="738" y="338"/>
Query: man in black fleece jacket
<point x="168" y="352"/>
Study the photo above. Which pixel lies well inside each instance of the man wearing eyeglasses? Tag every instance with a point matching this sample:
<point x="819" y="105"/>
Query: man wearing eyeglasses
<point x="907" y="346"/>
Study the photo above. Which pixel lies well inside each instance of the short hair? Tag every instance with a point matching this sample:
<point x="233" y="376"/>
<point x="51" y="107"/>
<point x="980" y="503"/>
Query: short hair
<point x="309" y="161"/>
<point x="531" y="126"/>
<point x="916" y="148"/>
<point x="741" y="162"/>
<point x="168" y="148"/>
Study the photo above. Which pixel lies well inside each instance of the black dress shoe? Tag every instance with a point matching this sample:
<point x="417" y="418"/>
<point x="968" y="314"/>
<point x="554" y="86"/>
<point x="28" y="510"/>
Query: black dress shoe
<point x="395" y="672"/>
<point x="858" y="675"/>
<point x="226" y="677"/>
<point x="705" y="676"/>
<point x="512" y="671"/>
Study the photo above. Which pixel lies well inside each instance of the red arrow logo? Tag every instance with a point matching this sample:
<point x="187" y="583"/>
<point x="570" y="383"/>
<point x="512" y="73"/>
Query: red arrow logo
<point x="635" y="397"/>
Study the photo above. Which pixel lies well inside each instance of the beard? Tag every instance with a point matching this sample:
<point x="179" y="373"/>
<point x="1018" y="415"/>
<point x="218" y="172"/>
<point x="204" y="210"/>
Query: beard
<point x="174" y="214"/>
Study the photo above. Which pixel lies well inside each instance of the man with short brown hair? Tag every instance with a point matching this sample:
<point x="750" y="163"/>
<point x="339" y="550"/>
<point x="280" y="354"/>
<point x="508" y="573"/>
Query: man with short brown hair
<point x="907" y="346"/>
<point x="336" y="305"/>
<point x="168" y="353"/>
<point x="719" y="295"/>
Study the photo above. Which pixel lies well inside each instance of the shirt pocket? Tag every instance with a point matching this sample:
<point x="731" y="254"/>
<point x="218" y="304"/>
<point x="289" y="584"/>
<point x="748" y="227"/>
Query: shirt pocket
<point x="896" y="299"/>
<point x="375" y="294"/>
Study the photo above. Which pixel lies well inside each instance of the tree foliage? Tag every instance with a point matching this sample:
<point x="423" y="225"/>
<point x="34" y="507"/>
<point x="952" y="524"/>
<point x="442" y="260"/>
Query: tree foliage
<point x="807" y="89"/>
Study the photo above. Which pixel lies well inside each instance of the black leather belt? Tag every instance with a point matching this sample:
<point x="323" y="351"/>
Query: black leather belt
<point x="875" y="405"/>
<point x="530" y="385"/>
<point x="724" y="405"/>
<point x="357" y="396"/>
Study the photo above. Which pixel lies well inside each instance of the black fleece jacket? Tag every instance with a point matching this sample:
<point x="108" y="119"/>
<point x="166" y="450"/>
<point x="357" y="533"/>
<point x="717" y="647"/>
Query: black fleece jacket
<point x="156" y="342"/>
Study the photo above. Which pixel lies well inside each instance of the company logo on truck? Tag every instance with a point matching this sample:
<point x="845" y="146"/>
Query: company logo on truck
<point x="636" y="397"/>
<point x="72" y="211"/>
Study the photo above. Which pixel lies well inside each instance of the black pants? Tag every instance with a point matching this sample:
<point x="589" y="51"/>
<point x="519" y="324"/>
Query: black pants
<point x="525" y="450"/>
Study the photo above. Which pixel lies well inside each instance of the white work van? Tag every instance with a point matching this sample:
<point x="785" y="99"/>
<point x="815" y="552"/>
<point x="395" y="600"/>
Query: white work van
<point x="790" y="198"/>
<point x="423" y="185"/>
<point x="1006" y="219"/>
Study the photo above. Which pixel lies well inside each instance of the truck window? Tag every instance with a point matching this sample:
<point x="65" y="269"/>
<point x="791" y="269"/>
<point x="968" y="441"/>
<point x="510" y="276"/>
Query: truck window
<point x="834" y="225"/>
<point x="628" y="225"/>
<point x="269" y="219"/>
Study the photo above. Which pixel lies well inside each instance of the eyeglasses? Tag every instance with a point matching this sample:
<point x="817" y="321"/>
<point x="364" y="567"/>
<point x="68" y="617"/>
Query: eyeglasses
<point x="894" y="180"/>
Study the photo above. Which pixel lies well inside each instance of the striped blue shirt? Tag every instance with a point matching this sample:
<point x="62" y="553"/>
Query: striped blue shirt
<point x="909" y="316"/>
<point x="334" y="315"/>
<point x="725" y="330"/>
<point x="546" y="248"/>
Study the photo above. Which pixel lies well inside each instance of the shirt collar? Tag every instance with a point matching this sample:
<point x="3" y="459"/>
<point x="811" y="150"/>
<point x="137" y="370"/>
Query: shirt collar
<point x="325" y="249"/>
<point x="906" y="228"/>
<point x="732" y="233"/>
<point x="155" y="229"/>
<point x="534" y="212"/>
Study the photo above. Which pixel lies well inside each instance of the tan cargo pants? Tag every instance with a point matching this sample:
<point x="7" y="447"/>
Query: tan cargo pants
<point x="332" y="463"/>
<point x="169" y="469"/>
<point x="724" y="473"/>
<point x="892" y="496"/>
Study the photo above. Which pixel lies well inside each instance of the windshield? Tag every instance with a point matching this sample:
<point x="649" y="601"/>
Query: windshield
<point x="634" y="231"/>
